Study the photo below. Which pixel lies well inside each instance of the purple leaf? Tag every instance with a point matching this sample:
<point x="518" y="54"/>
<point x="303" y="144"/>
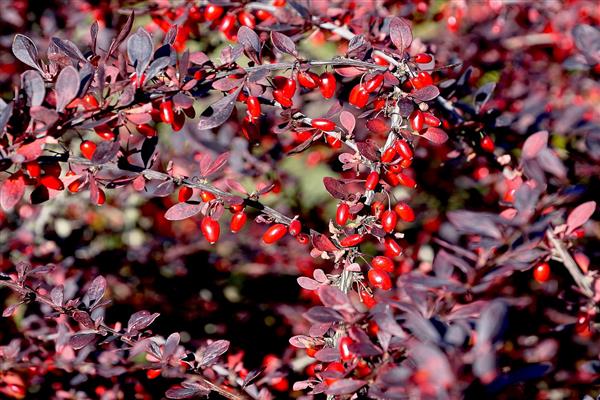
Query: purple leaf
<point x="221" y="110"/>
<point x="96" y="289"/>
<point x="348" y="121"/>
<point x="140" y="320"/>
<point x="435" y="135"/>
<point x="328" y="354"/>
<point x="171" y="346"/>
<point x="187" y="390"/>
<point x="345" y="386"/>
<point x="580" y="215"/>
<point x="400" y="33"/>
<point x="249" y="39"/>
<point x="106" y="151"/>
<point x="216" y="165"/>
<point x="332" y="296"/>
<point x="10" y="310"/>
<point x="427" y="93"/>
<point x="67" y="86"/>
<point x="534" y="144"/>
<point x="33" y="85"/>
<point x="181" y="211"/>
<point x="213" y="351"/>
<point x="57" y="295"/>
<point x="25" y="51"/>
<point x="475" y="223"/>
<point x="80" y="340"/>
<point x="335" y="187"/>
<point x="490" y="322"/>
<point x="323" y="315"/>
<point x="283" y="43"/>
<point x="307" y="283"/>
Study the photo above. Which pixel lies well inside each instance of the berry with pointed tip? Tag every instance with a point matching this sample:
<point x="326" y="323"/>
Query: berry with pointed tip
<point x="379" y="279"/>
<point x="384" y="263"/>
<point x="210" y="229"/>
<point x="352" y="240"/>
<point x="238" y="220"/>
<point x="487" y="144"/>
<point x="327" y="84"/>
<point x="342" y="214"/>
<point x="274" y="233"/>
<point x="372" y="180"/>
<point x="90" y="102"/>
<point x="388" y="221"/>
<point x="295" y="227"/>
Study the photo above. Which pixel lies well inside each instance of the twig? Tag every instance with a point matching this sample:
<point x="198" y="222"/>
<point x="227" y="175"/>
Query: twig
<point x="570" y="264"/>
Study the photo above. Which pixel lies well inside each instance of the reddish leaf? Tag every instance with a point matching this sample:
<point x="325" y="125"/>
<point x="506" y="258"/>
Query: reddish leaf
<point x="12" y="191"/>
<point x="400" y="33"/>
<point x="67" y="86"/>
<point x="181" y="211"/>
<point x="283" y="43"/>
<point x="534" y="144"/>
<point x="221" y="110"/>
<point x="580" y="215"/>
<point x="435" y="135"/>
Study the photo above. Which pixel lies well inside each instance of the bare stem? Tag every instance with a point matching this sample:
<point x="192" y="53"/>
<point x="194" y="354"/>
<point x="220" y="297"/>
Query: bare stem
<point x="570" y="264"/>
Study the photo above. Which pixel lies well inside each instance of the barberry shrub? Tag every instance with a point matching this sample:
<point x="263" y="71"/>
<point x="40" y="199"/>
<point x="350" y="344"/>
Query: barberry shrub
<point x="299" y="199"/>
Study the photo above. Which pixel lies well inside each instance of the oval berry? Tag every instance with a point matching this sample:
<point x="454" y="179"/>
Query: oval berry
<point x="238" y="220"/>
<point x="374" y="83"/>
<point x="431" y="119"/>
<point x="146" y="130"/>
<point x="327" y="84"/>
<point x="377" y="209"/>
<point x="247" y="19"/>
<point x="166" y="112"/>
<point x="207" y="196"/>
<point x="90" y="102"/>
<point x="388" y="155"/>
<point x="423" y="58"/>
<point x="416" y="120"/>
<point x="253" y="106"/>
<point x="342" y="214"/>
<point x="487" y="144"/>
<point x="367" y="298"/>
<point x="274" y="233"/>
<point x="295" y="227"/>
<point x="425" y="78"/>
<point x="372" y="180"/>
<point x="384" y="263"/>
<point x="388" y="221"/>
<point x="212" y="12"/>
<point x="344" y="346"/>
<point x="541" y="273"/>
<point x="392" y="247"/>
<point x="352" y="240"/>
<point x="184" y="194"/>
<point x="404" y="149"/>
<point x="52" y="182"/>
<point x="379" y="279"/>
<point x="323" y="124"/>
<point x="359" y="97"/>
<point x="210" y="229"/>
<point x="405" y="212"/>
<point x="308" y="80"/>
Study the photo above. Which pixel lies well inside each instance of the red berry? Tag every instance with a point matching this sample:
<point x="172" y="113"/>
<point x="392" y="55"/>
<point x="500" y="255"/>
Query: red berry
<point x="423" y="58"/>
<point x="212" y="12"/>
<point x="379" y="60"/>
<point x="404" y="149"/>
<point x="406" y="180"/>
<point x="582" y="324"/>
<point x="90" y="102"/>
<point x="425" y="78"/>
<point x="166" y="111"/>
<point x="308" y="79"/>
<point x="342" y="214"/>
<point x="146" y="130"/>
<point x="295" y="227"/>
<point x="247" y="19"/>
<point x="388" y="155"/>
<point x="281" y="98"/>
<point x="87" y="149"/>
<point x="352" y="240"/>
<point x="101" y="197"/>
<point x="327" y="84"/>
<point x="388" y="221"/>
<point x="184" y="194"/>
<point x="541" y="273"/>
<point x="153" y="373"/>
<point x="105" y="132"/>
<point x="487" y="144"/>
<point x="303" y="238"/>
<point x="359" y="97"/>
<point x="384" y="263"/>
<point x="405" y="212"/>
<point x="207" y="196"/>
<point x="52" y="182"/>
<point x="391" y="178"/>
<point x="379" y="279"/>
<point x="344" y="346"/>
<point x="253" y="106"/>
<point x="227" y="24"/>
<point x="372" y="180"/>
<point x="178" y="121"/>
<point x="377" y="209"/>
<point x="431" y="119"/>
<point x="333" y="142"/>
<point x="374" y="83"/>
<point x="210" y="229"/>
<point x="280" y="383"/>
<point x="238" y="220"/>
<point x="367" y="298"/>
<point x="416" y="120"/>
<point x="323" y="124"/>
<point x="335" y="370"/>
<point x="286" y="85"/>
<point x="392" y="247"/>
<point x="274" y="233"/>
